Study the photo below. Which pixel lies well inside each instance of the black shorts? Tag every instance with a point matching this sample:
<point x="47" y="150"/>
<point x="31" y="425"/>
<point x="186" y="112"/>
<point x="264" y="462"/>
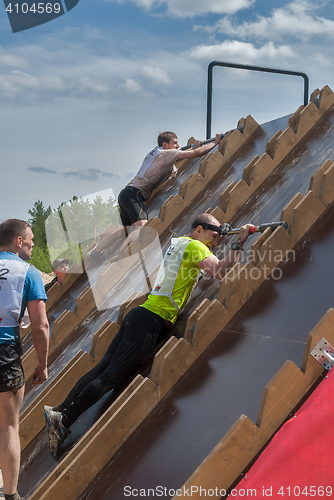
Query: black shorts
<point x="11" y="370"/>
<point x="131" y="203"/>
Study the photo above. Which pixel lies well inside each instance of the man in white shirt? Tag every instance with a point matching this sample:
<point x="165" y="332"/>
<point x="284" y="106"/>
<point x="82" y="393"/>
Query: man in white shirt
<point x="157" y="166"/>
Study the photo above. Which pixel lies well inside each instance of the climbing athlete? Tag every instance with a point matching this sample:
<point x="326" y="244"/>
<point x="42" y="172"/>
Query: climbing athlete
<point x="157" y="166"/>
<point x="143" y="325"/>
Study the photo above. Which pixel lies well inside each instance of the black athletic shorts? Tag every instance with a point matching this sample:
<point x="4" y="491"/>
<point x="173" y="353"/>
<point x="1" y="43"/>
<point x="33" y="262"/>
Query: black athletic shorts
<point x="131" y="203"/>
<point x="11" y="370"/>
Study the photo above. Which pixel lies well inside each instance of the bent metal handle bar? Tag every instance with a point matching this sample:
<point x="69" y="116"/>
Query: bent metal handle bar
<point x="227" y="229"/>
<point x="204" y="142"/>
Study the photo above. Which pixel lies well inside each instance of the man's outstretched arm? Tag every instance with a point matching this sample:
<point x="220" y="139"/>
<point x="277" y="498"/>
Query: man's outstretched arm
<point x="197" y="151"/>
<point x="218" y="268"/>
<point x="40" y="338"/>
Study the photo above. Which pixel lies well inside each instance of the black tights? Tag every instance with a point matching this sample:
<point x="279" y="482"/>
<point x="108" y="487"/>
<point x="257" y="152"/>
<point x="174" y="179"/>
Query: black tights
<point x="134" y="342"/>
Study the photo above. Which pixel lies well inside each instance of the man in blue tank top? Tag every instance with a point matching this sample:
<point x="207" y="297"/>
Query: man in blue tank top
<point x="21" y="286"/>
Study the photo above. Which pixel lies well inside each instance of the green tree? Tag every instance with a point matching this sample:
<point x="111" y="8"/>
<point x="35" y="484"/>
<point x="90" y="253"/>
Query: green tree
<point x="69" y="229"/>
<point x="39" y="214"/>
<point x="40" y="256"/>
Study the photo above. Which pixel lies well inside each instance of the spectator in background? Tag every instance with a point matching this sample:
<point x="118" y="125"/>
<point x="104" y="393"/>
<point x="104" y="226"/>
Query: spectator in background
<point x="60" y="267"/>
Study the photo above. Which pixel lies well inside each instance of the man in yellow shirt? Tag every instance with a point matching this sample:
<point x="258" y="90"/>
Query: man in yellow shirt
<point x="142" y="326"/>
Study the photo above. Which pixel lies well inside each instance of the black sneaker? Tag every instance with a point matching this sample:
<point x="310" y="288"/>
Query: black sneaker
<point x="14" y="496"/>
<point x="56" y="431"/>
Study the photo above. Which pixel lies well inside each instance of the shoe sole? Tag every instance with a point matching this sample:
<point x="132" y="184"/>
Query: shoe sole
<point x="47" y="421"/>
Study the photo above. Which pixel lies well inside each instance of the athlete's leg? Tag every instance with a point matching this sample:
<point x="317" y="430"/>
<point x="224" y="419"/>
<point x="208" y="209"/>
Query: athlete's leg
<point x="57" y="431"/>
<point x="142" y="328"/>
<point x="94" y="373"/>
<point x="140" y="223"/>
<point x="132" y="212"/>
<point x="10" y="404"/>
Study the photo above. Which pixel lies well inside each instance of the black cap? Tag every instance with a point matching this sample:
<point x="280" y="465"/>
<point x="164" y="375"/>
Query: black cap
<point x="57" y="262"/>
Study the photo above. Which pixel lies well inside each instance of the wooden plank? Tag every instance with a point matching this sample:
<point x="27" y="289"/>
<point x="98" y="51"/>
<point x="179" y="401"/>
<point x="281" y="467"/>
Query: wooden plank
<point x="261" y="170"/>
<point x="287" y="211"/>
<point x="247" y="172"/>
<point x="326" y="99"/>
<point x="307" y="119"/>
<point x="204" y="305"/>
<point x="305" y="213"/>
<point x="158" y="361"/>
<point x="174" y="364"/>
<point x="225" y="195"/>
<point x="271" y="144"/>
<point x="208" y="325"/>
<point x="327" y="186"/>
<point x="294" y="118"/>
<point x="284" y="144"/>
<point x="317" y="177"/>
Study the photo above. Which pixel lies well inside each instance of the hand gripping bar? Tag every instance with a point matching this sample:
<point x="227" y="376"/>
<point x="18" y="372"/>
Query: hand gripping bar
<point x="209" y="140"/>
<point x="227" y="229"/>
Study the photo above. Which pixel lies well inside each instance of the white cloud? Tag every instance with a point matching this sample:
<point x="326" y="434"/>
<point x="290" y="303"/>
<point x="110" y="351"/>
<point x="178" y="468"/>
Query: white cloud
<point x="79" y="71"/>
<point x="240" y="51"/>
<point x="110" y="174"/>
<point x="17" y="81"/>
<point x="154" y="75"/>
<point x="9" y="59"/>
<point x="185" y="8"/>
<point x="131" y="86"/>
<point x="190" y="8"/>
<point x="89" y="174"/>
<point x="87" y="83"/>
<point x="322" y="59"/>
<point x="296" y="19"/>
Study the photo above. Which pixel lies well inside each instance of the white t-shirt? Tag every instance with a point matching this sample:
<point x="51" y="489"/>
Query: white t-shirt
<point x="156" y="167"/>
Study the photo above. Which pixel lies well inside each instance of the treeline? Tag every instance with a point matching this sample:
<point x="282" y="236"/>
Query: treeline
<point x="68" y="230"/>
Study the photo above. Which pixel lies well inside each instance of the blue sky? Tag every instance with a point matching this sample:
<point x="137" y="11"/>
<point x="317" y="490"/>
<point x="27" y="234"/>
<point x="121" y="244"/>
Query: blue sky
<point x="84" y="97"/>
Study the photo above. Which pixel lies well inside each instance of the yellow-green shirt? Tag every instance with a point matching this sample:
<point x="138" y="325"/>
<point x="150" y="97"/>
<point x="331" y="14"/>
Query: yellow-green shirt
<point x="186" y="277"/>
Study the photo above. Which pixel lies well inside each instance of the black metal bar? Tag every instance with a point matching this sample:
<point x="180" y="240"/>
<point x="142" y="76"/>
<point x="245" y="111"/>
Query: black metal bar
<point x="252" y="68"/>
<point x="204" y="142"/>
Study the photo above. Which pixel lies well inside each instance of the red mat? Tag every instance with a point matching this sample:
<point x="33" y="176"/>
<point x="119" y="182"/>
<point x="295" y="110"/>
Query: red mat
<point x="299" y="461"/>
